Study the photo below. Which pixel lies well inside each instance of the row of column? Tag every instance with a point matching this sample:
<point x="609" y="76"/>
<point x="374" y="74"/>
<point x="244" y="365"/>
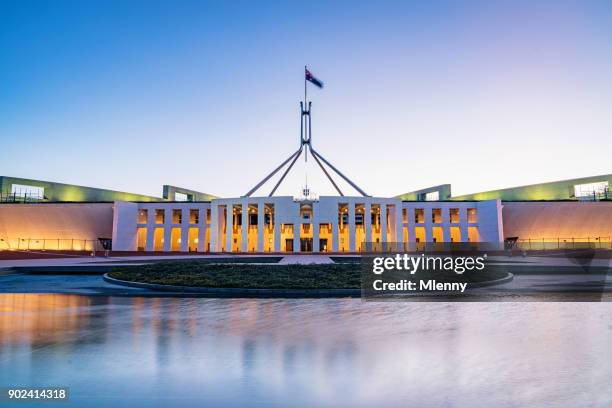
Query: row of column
<point x="445" y="224"/>
<point x="168" y="226"/>
<point x="216" y="226"/>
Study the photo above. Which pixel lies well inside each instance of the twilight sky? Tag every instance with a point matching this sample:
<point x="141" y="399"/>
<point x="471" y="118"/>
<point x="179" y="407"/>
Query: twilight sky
<point x="130" y="95"/>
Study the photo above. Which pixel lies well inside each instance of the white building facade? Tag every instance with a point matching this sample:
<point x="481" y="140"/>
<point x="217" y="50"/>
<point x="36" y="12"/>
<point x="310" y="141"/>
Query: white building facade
<point x="332" y="224"/>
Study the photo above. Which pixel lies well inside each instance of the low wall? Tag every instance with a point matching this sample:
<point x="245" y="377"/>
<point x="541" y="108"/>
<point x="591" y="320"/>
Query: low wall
<point x="65" y="226"/>
<point x="558" y="220"/>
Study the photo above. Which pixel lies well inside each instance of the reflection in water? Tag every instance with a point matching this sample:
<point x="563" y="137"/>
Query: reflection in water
<point x="330" y="352"/>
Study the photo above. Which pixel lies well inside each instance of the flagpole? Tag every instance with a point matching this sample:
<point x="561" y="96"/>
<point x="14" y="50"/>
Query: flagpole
<point x="305" y="88"/>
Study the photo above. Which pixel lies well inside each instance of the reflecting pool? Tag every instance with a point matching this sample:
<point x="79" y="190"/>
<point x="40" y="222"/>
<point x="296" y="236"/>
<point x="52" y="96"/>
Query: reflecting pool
<point x="154" y="352"/>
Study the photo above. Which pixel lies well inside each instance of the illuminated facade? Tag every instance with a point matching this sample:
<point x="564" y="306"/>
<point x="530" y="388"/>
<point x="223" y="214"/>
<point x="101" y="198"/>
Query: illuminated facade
<point x="284" y="224"/>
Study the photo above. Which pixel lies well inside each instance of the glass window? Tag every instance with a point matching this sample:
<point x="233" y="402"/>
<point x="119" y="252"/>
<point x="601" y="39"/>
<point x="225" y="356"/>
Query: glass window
<point x="454" y="215"/>
<point x="21" y="190"/>
<point x="160" y="216"/>
<point x="472" y="215"/>
<point x="181" y="197"/>
<point x="436" y="215"/>
<point x="432" y="196"/>
<point x="589" y="189"/>
<point x="177" y="216"/>
<point x="419" y="215"/>
<point x="142" y="216"/>
<point x="194" y="216"/>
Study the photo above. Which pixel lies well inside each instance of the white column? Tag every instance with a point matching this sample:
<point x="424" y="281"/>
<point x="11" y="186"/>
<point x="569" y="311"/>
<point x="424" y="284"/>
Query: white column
<point x="411" y="230"/>
<point x="428" y="224"/>
<point x="150" y="245"/>
<point x="367" y="223"/>
<point x="315" y="228"/>
<point x="245" y="226"/>
<point x="446" y="224"/>
<point x="277" y="233"/>
<point x="215" y="222"/>
<point x="463" y="224"/>
<point x="229" y="227"/>
<point x="202" y="230"/>
<point x="297" y="228"/>
<point x="167" y="229"/>
<point x="383" y="222"/>
<point x="261" y="216"/>
<point x="351" y="221"/>
<point x="335" y="234"/>
<point x="185" y="230"/>
<point x="399" y="226"/>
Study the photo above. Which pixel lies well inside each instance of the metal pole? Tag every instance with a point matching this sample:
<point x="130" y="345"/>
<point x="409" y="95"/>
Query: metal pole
<point x="309" y="124"/>
<point x="286" y="171"/>
<point x="305" y="87"/>
<point x="272" y="174"/>
<point x="314" y="153"/>
<point x="326" y="173"/>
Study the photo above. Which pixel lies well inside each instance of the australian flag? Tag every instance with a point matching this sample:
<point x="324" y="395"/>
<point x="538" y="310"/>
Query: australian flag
<point x="312" y="79"/>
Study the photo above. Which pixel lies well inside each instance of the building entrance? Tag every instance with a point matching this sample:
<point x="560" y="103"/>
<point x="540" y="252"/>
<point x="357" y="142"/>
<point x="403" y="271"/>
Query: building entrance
<point x="306" y="244"/>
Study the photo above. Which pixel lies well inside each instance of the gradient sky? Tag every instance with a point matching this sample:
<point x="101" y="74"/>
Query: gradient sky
<point x="130" y="95"/>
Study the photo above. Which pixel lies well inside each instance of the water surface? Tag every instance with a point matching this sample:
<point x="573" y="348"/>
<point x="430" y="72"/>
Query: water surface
<point x="154" y="352"/>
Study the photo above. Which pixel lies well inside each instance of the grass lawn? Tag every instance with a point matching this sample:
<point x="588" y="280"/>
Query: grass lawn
<point x="325" y="276"/>
<point x="193" y="273"/>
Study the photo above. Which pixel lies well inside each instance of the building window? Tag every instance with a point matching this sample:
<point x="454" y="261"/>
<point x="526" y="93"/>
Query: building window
<point x="21" y="190"/>
<point x="194" y="216"/>
<point x="436" y="215"/>
<point x="454" y="215"/>
<point x="432" y="196"/>
<point x="181" y="197"/>
<point x="590" y="189"/>
<point x="142" y="216"/>
<point x="359" y="218"/>
<point x="177" y="216"/>
<point x="472" y="215"/>
<point x="419" y="215"/>
<point x="160" y="216"/>
<point x="141" y="235"/>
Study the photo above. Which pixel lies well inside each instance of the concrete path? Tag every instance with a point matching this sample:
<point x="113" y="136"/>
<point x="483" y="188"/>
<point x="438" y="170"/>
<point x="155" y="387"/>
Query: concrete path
<point x="305" y="260"/>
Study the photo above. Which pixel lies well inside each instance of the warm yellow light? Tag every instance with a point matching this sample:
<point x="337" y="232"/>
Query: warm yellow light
<point x="178" y="240"/>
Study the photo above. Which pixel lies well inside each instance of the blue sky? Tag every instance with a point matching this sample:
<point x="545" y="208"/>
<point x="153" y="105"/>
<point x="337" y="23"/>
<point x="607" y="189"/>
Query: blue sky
<point x="204" y="95"/>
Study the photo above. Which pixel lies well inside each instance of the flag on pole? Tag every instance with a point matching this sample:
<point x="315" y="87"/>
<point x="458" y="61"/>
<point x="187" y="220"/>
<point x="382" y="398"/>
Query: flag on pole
<point x="312" y="79"/>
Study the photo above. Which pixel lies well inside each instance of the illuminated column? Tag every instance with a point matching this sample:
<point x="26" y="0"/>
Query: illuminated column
<point x="245" y="226"/>
<point x="202" y="230"/>
<point x="411" y="230"/>
<point x="229" y="227"/>
<point x="315" y="228"/>
<point x="215" y="222"/>
<point x="277" y="231"/>
<point x="167" y="229"/>
<point x="463" y="224"/>
<point x="383" y="222"/>
<point x="351" y="221"/>
<point x="428" y="224"/>
<point x="446" y="225"/>
<point x="399" y="225"/>
<point x="150" y="245"/>
<point x="261" y="216"/>
<point x="335" y="233"/>
<point x="297" y="229"/>
<point x="367" y="222"/>
<point x="185" y="230"/>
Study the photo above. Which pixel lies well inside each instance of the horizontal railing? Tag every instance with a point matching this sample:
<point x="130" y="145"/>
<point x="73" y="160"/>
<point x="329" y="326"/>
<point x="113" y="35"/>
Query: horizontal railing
<point x="50" y="244"/>
<point x="564" y="243"/>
